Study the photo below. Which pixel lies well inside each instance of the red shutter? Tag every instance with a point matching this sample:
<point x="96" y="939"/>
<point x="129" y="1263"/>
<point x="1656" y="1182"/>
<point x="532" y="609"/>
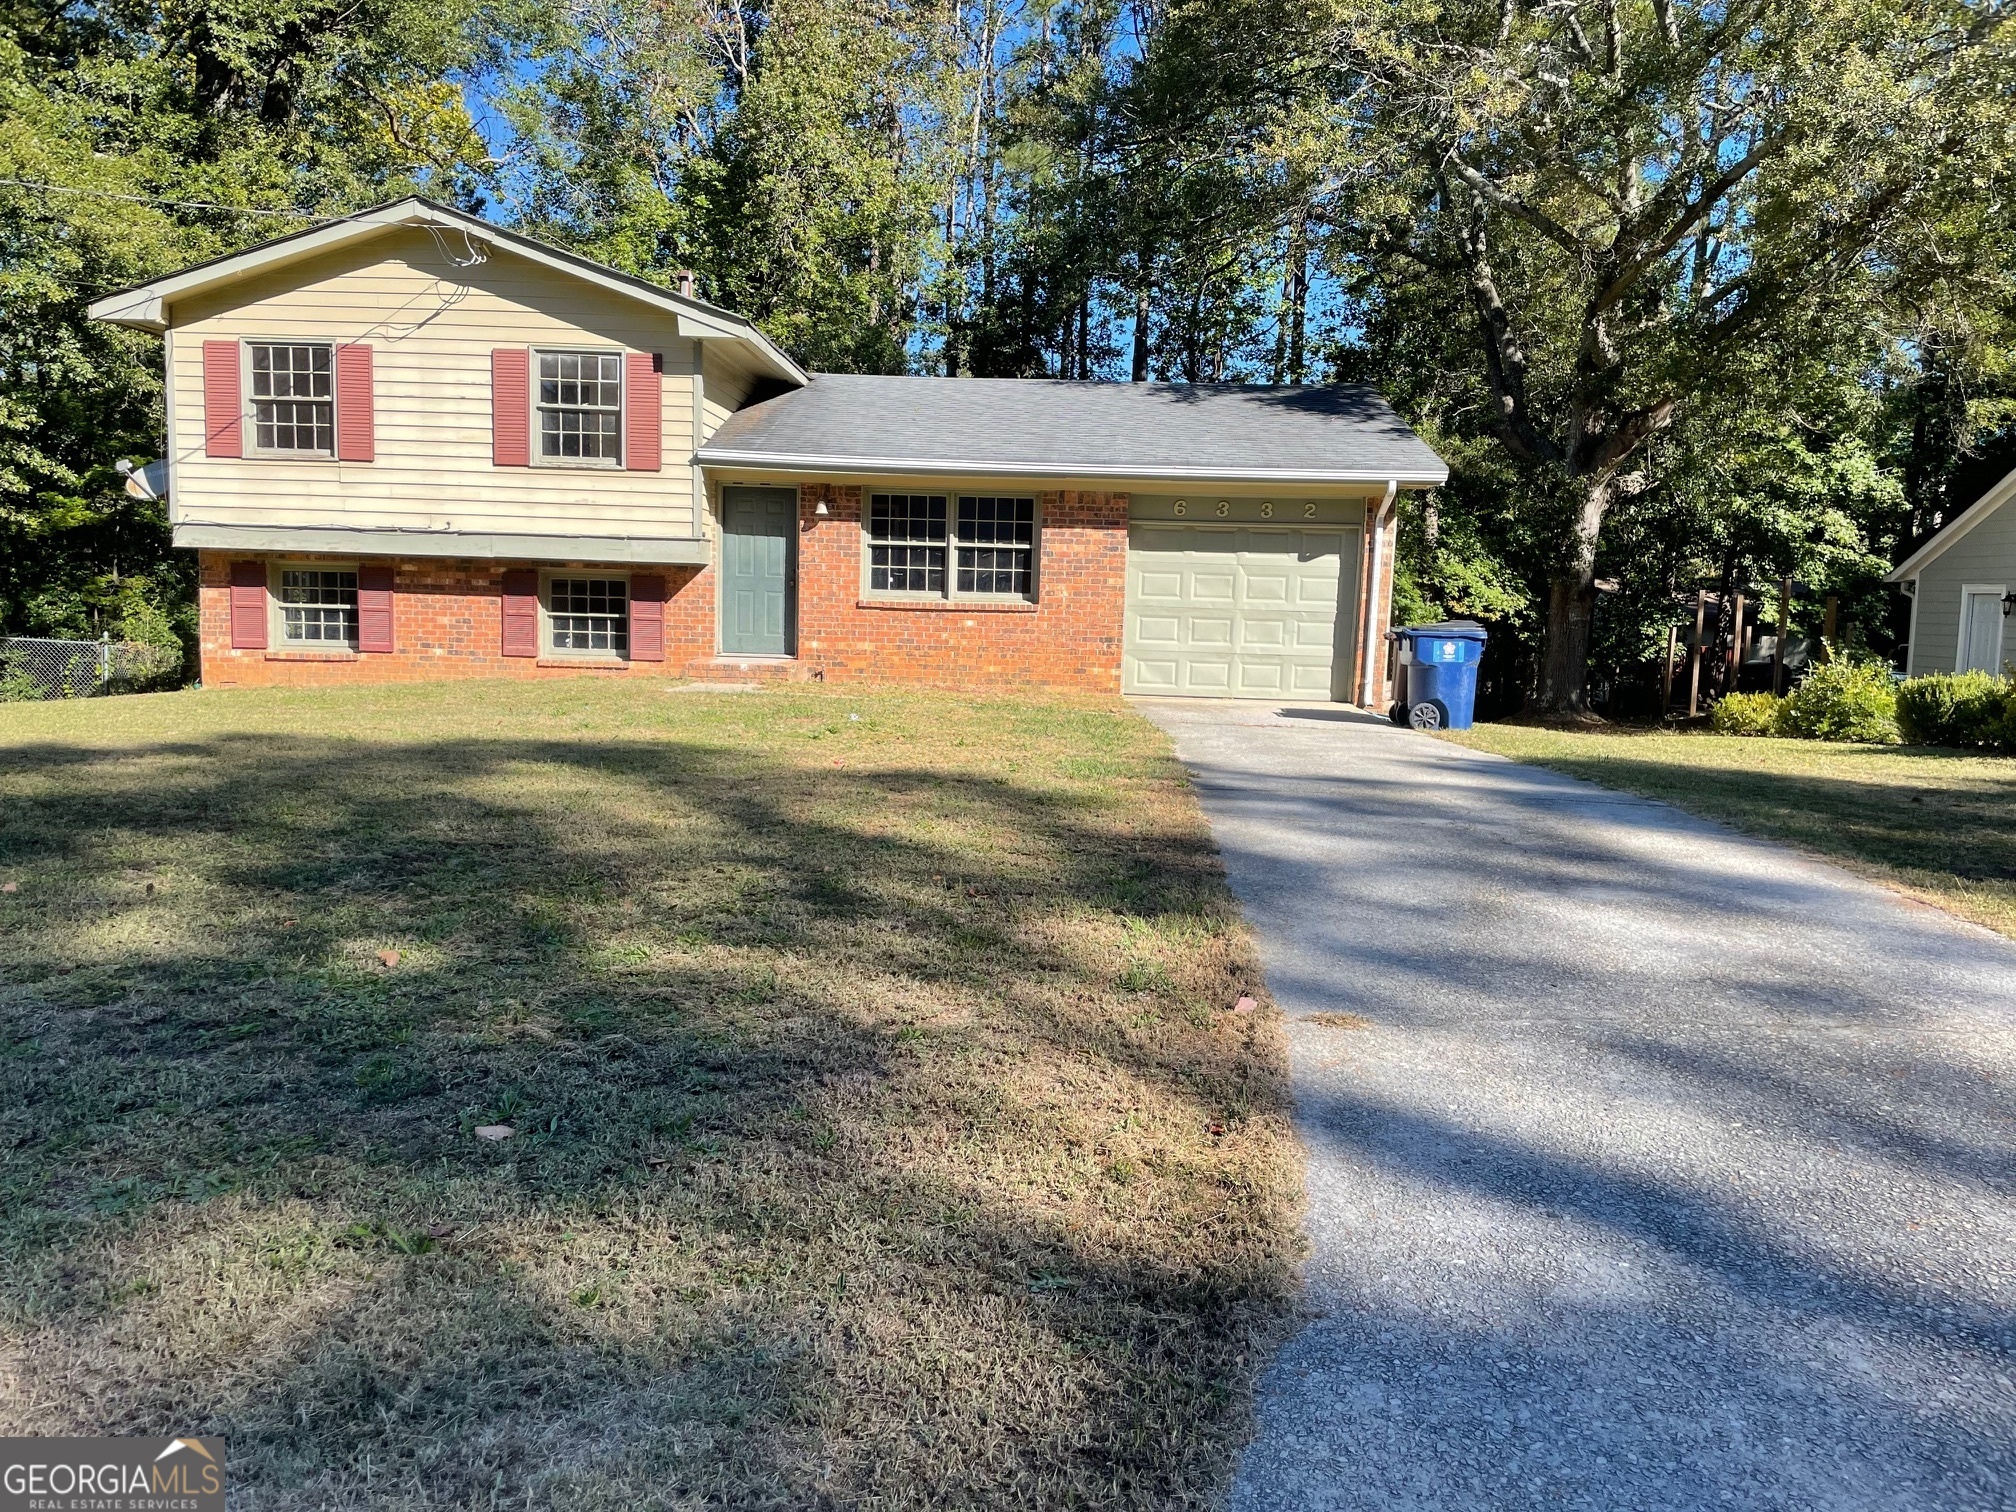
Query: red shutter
<point x="643" y="412"/>
<point x="223" y="406"/>
<point x="374" y="606"/>
<point x="511" y="408"/>
<point x="647" y="618"/>
<point x="356" y="432"/>
<point x="521" y="612"/>
<point x="248" y="606"/>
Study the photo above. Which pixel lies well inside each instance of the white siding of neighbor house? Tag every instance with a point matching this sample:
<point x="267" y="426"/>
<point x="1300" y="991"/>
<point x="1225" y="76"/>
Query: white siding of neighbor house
<point x="1985" y="555"/>
<point x="432" y="326"/>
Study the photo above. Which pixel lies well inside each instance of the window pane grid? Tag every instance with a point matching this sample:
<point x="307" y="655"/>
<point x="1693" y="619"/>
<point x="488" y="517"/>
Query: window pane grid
<point x="580" y="402"/>
<point x="293" y="398"/>
<point x="906" y="535"/>
<point x="590" y="614"/>
<point x="318" y="607"/>
<point x="996" y="545"/>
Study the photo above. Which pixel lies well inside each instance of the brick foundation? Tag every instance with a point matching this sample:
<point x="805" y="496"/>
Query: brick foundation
<point x="448" y="621"/>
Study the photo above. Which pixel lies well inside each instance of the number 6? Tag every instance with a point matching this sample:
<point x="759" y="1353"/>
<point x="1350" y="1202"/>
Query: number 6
<point x="1182" y="507"/>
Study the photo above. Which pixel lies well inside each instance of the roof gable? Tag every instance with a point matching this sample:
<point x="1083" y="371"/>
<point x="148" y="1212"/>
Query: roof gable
<point x="146" y="307"/>
<point x="1950" y="533"/>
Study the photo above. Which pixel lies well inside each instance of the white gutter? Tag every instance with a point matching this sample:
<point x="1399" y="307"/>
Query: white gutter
<point x="1368" y="688"/>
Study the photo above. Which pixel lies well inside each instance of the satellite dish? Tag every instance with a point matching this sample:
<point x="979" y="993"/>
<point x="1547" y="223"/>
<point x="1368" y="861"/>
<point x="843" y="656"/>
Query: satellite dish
<point x="148" y="481"/>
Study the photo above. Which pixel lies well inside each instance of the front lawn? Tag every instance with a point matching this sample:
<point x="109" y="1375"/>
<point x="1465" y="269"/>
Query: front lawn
<point x="880" y="1132"/>
<point x="1940" y="825"/>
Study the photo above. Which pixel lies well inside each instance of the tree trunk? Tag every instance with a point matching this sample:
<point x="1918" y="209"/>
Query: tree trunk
<point x="1139" y="371"/>
<point x="1571" y="608"/>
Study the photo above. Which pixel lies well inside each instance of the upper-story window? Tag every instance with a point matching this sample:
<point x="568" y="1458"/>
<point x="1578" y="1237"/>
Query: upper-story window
<point x="293" y="398"/>
<point x="990" y="541"/>
<point x="580" y="407"/>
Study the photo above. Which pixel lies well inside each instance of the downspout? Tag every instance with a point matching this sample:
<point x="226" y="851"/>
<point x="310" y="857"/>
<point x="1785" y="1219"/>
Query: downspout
<point x="1368" y="683"/>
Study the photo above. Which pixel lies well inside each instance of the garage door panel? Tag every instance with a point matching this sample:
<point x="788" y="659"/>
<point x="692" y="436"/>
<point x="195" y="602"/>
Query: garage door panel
<point x="1267" y="587"/>
<point x="1210" y="631"/>
<point x="1240" y="613"/>
<point x="1267" y="635"/>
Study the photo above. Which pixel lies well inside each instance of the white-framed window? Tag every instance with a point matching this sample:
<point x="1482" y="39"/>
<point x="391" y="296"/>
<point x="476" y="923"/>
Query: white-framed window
<point x="906" y="543"/>
<point x="293" y="397"/>
<point x="315" y="606"/>
<point x="940" y="546"/>
<point x="588" y="615"/>
<point x="995" y="537"/>
<point x="579" y="400"/>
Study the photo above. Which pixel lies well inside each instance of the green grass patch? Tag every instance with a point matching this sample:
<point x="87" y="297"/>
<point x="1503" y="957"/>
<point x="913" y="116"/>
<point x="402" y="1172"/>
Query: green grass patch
<point x="858" y="1076"/>
<point x="1940" y="825"/>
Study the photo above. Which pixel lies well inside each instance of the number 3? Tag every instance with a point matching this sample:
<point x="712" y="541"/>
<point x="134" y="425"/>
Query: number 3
<point x="1224" y="508"/>
<point x="1267" y="510"/>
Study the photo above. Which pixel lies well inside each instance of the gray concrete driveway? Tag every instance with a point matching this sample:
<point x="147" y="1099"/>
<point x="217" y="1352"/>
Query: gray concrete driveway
<point x="1666" y="1168"/>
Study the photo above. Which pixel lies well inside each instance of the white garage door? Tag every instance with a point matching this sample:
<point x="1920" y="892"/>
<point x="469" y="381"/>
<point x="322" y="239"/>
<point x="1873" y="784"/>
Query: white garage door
<point x="1233" y="612"/>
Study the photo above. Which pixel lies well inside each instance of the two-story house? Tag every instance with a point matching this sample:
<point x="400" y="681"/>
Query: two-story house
<point x="411" y="444"/>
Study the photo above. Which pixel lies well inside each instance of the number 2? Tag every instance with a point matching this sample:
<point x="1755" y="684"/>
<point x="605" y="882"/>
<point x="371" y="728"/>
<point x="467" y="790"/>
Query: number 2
<point x="1308" y="511"/>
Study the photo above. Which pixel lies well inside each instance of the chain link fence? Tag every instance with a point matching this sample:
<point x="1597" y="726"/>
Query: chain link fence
<point x="33" y="667"/>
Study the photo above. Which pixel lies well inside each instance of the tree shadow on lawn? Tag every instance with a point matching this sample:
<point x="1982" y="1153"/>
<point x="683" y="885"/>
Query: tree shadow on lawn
<point x="863" y="1121"/>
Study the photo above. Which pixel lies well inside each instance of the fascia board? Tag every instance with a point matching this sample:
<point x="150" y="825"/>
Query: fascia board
<point x="791" y="462"/>
<point x="484" y="545"/>
<point x="1973" y="515"/>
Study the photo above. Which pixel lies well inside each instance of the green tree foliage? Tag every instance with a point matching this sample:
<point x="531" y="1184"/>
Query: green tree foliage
<point x="1630" y="203"/>
<point x="140" y="117"/>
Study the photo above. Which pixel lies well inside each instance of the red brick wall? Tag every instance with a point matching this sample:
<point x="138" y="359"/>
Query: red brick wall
<point x="447" y="621"/>
<point x="1069" y="638"/>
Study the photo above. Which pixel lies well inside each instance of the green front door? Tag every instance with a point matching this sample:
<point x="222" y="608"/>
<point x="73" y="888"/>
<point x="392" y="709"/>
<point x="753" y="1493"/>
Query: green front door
<point x="758" y="575"/>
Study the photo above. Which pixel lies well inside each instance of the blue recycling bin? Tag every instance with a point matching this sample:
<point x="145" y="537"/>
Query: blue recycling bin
<point x="1435" y="684"/>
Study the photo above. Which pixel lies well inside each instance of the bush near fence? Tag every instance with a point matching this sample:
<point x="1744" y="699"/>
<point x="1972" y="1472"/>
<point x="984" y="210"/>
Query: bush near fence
<point x="33" y="668"/>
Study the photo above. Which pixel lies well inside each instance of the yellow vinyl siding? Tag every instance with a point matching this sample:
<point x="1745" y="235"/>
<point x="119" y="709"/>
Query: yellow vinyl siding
<point x="725" y="387"/>
<point x="432" y="327"/>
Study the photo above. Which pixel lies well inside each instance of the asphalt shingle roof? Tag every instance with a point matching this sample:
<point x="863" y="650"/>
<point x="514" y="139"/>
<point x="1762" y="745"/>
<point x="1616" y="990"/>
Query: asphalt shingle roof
<point x="1229" y="432"/>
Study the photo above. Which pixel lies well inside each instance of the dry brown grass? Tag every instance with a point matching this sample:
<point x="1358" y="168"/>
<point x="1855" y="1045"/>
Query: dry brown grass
<point x="1937" y="825"/>
<point x="864" y="1073"/>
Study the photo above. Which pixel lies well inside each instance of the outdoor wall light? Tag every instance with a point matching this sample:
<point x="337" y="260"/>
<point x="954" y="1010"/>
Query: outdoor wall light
<point x="2008" y="604"/>
<point x="820" y="508"/>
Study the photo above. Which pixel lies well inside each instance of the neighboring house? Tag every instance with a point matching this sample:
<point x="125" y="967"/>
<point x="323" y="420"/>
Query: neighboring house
<point x="1962" y="584"/>
<point x="410" y="444"/>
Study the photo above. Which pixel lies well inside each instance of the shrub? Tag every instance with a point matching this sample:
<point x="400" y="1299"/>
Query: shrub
<point x="1748" y="714"/>
<point x="1958" y="709"/>
<point x="1844" y="700"/>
